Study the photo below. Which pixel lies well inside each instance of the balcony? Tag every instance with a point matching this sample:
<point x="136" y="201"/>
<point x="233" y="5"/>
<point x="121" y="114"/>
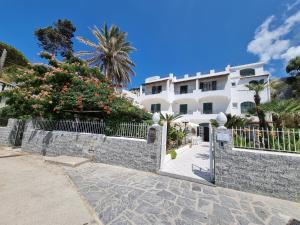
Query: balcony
<point x="198" y="94"/>
<point x="164" y="95"/>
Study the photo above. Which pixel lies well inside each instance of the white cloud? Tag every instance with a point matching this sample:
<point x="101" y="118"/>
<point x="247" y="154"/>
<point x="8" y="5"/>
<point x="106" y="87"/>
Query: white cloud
<point x="292" y="5"/>
<point x="292" y="52"/>
<point x="271" y="42"/>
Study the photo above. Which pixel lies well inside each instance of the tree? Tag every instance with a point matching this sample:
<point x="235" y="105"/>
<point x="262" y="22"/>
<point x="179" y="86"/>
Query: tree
<point x="232" y="121"/>
<point x="257" y="87"/>
<point x="57" y="39"/>
<point x="110" y="53"/>
<point x="13" y="57"/>
<point x="293" y="68"/>
<point x="66" y="89"/>
<point x="284" y="112"/>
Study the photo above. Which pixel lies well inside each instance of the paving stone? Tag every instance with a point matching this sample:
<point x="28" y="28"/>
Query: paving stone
<point x="242" y="220"/>
<point x="145" y="207"/>
<point x="133" y="197"/>
<point x="261" y="213"/>
<point x="222" y="215"/>
<point x="196" y="187"/>
<point x="203" y="203"/>
<point x="185" y="202"/>
<point x="193" y="215"/>
<point x="166" y="195"/>
<point x="151" y="198"/>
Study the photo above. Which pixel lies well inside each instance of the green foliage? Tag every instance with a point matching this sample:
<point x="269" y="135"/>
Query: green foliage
<point x="232" y="121"/>
<point x="14" y="57"/>
<point x="285" y="112"/>
<point x="293" y="66"/>
<point x="62" y="91"/>
<point x="110" y="54"/>
<point x="173" y="153"/>
<point x="57" y="39"/>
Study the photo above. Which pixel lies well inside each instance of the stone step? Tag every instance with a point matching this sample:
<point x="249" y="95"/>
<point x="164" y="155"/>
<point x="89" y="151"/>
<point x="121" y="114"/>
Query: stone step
<point x="10" y="152"/>
<point x="66" y="160"/>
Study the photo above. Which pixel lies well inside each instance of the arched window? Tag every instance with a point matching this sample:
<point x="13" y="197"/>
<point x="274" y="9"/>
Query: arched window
<point x="246" y="106"/>
<point x="247" y="72"/>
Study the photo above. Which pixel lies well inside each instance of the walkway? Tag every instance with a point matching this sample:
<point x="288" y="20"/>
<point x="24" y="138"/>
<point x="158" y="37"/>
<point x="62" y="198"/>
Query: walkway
<point x="190" y="162"/>
<point x="35" y="193"/>
<point x="123" y="196"/>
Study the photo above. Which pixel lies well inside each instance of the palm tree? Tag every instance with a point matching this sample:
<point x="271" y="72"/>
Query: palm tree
<point x="110" y="53"/>
<point x="257" y="87"/>
<point x="282" y="110"/>
<point x="169" y="118"/>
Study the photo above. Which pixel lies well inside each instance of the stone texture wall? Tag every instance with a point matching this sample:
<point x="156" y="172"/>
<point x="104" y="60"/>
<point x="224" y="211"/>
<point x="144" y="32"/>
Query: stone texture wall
<point x="127" y="152"/>
<point x="267" y="173"/>
<point x="7" y="133"/>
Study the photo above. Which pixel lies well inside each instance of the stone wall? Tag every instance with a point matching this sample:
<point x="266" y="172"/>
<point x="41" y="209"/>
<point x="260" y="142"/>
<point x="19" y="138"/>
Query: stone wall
<point x="269" y="173"/>
<point x="7" y="133"/>
<point x="127" y="152"/>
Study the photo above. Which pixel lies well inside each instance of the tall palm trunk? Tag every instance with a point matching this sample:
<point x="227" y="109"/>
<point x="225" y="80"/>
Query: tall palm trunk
<point x="260" y="113"/>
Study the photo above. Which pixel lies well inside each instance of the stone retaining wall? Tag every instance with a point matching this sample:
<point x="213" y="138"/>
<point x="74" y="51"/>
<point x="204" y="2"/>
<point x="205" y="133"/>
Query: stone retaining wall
<point x="269" y="173"/>
<point x="7" y="133"/>
<point x="127" y="152"/>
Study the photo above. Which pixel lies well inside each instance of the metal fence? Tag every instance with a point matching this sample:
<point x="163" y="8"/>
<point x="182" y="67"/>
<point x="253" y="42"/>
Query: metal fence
<point x="283" y="140"/>
<point x="131" y="130"/>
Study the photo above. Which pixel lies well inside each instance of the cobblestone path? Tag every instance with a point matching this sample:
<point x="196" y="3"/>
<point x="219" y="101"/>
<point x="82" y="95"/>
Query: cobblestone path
<point x="123" y="196"/>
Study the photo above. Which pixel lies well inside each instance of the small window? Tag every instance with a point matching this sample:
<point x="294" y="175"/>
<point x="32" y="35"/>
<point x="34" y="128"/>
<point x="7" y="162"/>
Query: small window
<point x="207" y="108"/>
<point x="234" y="105"/>
<point x="155" y="108"/>
<point x="233" y="84"/>
<point x="183" y="108"/>
<point x="246" y="106"/>
<point x="183" y="89"/>
<point x="156" y="89"/>
<point x="247" y="72"/>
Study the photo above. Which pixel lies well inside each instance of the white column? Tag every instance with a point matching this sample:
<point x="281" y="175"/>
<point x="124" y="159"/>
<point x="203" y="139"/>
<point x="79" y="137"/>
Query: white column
<point x="141" y="90"/>
<point x="168" y="85"/>
<point x="197" y="84"/>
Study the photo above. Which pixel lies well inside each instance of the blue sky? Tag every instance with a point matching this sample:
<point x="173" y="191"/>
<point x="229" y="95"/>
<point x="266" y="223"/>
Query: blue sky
<point x="171" y="36"/>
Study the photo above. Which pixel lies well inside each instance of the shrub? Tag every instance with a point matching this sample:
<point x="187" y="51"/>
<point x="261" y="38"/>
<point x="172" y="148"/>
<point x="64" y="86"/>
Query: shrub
<point x="173" y="154"/>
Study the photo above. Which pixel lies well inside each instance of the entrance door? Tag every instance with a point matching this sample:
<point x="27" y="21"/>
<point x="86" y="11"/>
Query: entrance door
<point x="206" y="134"/>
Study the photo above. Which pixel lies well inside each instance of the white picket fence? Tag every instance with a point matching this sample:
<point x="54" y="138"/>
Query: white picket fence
<point x="283" y="140"/>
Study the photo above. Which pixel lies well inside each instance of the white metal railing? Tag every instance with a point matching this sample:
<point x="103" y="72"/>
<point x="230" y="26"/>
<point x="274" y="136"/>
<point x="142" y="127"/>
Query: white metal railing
<point x="131" y="130"/>
<point x="275" y="139"/>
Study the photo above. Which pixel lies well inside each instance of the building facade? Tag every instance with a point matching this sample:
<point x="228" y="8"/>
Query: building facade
<point x="200" y="97"/>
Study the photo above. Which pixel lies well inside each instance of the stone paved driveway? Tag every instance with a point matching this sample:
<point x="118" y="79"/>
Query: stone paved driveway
<point x="123" y="196"/>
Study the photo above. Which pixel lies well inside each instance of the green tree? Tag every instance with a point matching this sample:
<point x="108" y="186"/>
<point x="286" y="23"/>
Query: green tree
<point x="257" y="87"/>
<point x="293" y="68"/>
<point x="232" y="121"/>
<point x="10" y="61"/>
<point x="284" y="112"/>
<point x="66" y="89"/>
<point x="110" y="53"/>
<point x="57" y="39"/>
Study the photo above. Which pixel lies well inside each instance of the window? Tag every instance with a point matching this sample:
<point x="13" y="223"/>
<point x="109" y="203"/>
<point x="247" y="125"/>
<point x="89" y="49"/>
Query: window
<point x="233" y="84"/>
<point x="155" y="108"/>
<point x="207" y="108"/>
<point x="246" y="106"/>
<point x="183" y="108"/>
<point x="156" y="89"/>
<point x="208" y="86"/>
<point x="247" y="72"/>
<point x="183" y="89"/>
<point x="234" y="105"/>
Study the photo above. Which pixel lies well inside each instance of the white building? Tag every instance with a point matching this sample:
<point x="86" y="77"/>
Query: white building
<point x="201" y="97"/>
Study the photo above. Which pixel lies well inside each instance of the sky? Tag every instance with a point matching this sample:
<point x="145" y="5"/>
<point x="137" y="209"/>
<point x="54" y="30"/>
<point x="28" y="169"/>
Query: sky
<point x="171" y="36"/>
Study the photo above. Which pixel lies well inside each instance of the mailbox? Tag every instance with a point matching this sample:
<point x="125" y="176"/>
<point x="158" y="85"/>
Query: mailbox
<point x="151" y="135"/>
